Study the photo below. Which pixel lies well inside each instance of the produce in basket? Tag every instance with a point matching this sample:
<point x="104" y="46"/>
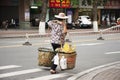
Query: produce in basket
<point x="67" y="48"/>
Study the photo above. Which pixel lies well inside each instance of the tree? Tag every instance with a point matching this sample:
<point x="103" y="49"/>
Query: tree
<point x="95" y="24"/>
<point x="75" y="4"/>
<point x="95" y="4"/>
<point x="43" y="17"/>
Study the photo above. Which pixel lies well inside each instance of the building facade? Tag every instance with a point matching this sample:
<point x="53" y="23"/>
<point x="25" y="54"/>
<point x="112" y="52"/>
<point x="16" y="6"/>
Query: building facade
<point x="21" y="10"/>
<point x="107" y="13"/>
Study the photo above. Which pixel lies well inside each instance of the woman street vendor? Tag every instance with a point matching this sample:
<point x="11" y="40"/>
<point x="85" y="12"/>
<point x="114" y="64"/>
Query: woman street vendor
<point x="58" y="33"/>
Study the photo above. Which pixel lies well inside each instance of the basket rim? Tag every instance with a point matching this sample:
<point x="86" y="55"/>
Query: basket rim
<point x="66" y="53"/>
<point x="45" y="49"/>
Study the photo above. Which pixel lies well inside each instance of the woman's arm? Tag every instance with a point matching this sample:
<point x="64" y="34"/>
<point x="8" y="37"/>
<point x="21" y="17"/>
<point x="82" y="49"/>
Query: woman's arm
<point x="64" y="28"/>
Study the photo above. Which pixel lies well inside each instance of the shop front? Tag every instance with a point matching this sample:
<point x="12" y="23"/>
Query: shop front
<point x="109" y="16"/>
<point x="110" y="13"/>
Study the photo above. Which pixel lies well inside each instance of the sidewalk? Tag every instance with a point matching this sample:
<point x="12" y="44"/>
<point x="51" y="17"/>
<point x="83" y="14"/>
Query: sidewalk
<point x="15" y="33"/>
<point x="105" y="72"/>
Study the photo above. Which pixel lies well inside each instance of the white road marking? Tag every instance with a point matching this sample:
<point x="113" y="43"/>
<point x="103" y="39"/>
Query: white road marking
<point x="92" y="44"/>
<point x="116" y="52"/>
<point x="8" y="67"/>
<point x="19" y="72"/>
<point x="53" y="76"/>
<point x="89" y="44"/>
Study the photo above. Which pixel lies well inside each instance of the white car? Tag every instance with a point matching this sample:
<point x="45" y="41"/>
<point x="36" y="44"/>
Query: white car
<point x="82" y="22"/>
<point x="85" y="22"/>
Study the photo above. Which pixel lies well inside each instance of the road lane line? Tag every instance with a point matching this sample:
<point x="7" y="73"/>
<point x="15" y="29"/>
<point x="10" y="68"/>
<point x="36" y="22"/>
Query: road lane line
<point x="49" y="77"/>
<point x="19" y="72"/>
<point x="90" y="44"/>
<point x="116" y="52"/>
<point x="8" y="67"/>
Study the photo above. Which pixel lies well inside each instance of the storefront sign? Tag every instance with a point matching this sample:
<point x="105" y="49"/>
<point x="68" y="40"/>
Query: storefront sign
<point x="59" y="3"/>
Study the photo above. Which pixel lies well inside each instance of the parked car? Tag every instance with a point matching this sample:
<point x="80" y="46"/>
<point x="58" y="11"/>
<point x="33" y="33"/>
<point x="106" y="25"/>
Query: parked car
<point x="83" y="22"/>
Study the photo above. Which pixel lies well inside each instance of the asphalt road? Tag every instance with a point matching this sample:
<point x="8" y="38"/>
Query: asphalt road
<point x="19" y="62"/>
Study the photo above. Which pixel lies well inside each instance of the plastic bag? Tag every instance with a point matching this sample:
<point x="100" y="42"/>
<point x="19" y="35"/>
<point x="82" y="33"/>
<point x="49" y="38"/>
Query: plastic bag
<point x="63" y="62"/>
<point x="56" y="59"/>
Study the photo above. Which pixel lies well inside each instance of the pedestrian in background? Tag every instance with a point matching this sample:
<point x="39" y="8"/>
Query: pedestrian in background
<point x="5" y="24"/>
<point x="118" y="21"/>
<point x="58" y="33"/>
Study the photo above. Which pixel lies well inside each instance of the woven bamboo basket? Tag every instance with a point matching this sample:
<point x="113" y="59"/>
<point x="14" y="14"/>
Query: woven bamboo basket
<point x="45" y="57"/>
<point x="71" y="59"/>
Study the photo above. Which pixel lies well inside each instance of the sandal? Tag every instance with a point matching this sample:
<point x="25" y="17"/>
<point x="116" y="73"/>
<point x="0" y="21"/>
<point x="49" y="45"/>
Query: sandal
<point x="52" y="71"/>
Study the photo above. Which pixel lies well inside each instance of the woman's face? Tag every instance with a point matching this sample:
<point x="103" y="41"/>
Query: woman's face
<point x="62" y="20"/>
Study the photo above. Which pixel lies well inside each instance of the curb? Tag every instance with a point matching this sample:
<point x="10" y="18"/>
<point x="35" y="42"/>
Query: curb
<point x="94" y="70"/>
<point x="12" y="36"/>
<point x="23" y="36"/>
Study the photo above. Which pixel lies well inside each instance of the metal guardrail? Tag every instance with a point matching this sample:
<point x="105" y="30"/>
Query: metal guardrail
<point x="103" y="34"/>
<point x="27" y="37"/>
<point x="81" y="36"/>
<point x="108" y="31"/>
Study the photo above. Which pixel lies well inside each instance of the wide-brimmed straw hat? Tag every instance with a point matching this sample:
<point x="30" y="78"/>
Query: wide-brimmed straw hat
<point x="61" y="16"/>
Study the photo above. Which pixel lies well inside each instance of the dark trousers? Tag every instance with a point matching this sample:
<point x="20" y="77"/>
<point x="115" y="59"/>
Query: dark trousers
<point x="55" y="46"/>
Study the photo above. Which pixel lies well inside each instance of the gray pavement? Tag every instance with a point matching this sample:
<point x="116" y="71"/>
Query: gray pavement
<point x="105" y="72"/>
<point x="16" y="33"/>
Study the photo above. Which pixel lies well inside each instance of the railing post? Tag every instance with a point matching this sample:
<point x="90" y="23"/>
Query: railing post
<point x="100" y="38"/>
<point x="27" y="40"/>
